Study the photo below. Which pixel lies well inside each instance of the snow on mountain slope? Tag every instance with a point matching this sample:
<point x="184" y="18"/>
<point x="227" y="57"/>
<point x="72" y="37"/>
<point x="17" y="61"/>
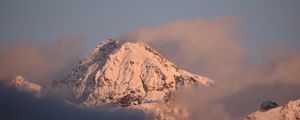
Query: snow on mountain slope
<point x="20" y="83"/>
<point x="126" y="74"/>
<point x="290" y="111"/>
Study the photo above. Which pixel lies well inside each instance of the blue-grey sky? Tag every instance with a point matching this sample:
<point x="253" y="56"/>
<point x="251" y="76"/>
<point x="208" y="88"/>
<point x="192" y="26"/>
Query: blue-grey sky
<point x="260" y="22"/>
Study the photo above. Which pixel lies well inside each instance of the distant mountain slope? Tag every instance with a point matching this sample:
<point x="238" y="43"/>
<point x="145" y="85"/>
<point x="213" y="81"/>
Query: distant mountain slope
<point x="290" y="111"/>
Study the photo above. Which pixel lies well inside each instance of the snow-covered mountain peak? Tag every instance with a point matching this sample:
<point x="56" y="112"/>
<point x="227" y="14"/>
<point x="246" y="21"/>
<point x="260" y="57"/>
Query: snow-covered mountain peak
<point x="103" y="49"/>
<point x="127" y="74"/>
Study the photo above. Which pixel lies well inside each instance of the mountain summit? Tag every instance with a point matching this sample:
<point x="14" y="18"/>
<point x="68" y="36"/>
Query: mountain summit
<point x="127" y="74"/>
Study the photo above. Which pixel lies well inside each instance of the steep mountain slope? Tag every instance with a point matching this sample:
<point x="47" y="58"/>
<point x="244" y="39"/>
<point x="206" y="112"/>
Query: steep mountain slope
<point x="128" y="74"/>
<point x="290" y="111"/>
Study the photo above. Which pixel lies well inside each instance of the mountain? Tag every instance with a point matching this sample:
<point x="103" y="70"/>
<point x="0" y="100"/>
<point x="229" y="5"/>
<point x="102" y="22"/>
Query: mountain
<point x="129" y="74"/>
<point x="24" y="85"/>
<point x="290" y="111"/>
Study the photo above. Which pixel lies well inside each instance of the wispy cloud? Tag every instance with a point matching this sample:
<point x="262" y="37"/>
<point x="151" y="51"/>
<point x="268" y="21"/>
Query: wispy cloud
<point x="213" y="48"/>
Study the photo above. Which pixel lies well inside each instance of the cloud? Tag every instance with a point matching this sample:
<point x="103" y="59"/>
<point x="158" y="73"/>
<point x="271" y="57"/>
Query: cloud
<point x="213" y="48"/>
<point x="16" y="105"/>
<point x="40" y="62"/>
<point x="208" y="44"/>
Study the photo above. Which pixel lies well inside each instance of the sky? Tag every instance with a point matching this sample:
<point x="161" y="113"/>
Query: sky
<point x="260" y="22"/>
<point x="250" y="48"/>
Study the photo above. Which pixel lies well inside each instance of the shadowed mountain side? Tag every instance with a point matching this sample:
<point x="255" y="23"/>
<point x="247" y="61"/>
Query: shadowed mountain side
<point x="16" y="105"/>
<point x="248" y="100"/>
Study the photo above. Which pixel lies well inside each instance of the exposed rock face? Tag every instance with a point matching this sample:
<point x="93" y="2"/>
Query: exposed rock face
<point x="267" y="105"/>
<point x="20" y="83"/>
<point x="290" y="111"/>
<point x="129" y="74"/>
